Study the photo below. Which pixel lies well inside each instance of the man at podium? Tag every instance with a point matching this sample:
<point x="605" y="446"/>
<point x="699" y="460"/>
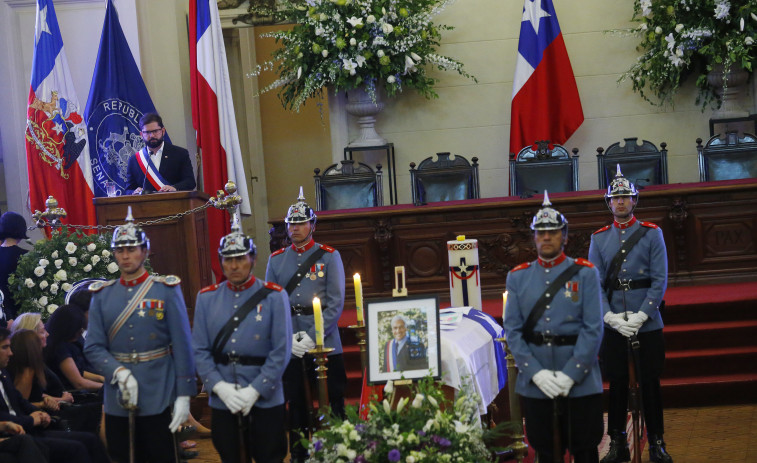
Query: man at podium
<point x="159" y="166"/>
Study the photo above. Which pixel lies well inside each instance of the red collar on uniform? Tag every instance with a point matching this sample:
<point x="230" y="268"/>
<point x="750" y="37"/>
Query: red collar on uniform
<point x="623" y="226"/>
<point x="247" y="284"/>
<point x="559" y="260"/>
<point x="310" y="244"/>
<point x="136" y="281"/>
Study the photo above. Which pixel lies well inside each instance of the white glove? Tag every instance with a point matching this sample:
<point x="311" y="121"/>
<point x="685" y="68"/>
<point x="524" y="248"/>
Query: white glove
<point x="547" y="382"/>
<point x="616" y="322"/>
<point x="636" y="319"/>
<point x="180" y="412"/>
<point x="565" y="382"/>
<point x="298" y="347"/>
<point x="127" y="383"/>
<point x="229" y="395"/>
<point x="250" y="396"/>
<point x="309" y="343"/>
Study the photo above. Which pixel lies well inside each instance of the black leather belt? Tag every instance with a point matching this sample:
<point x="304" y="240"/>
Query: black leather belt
<point x="633" y="284"/>
<point x="302" y="310"/>
<point x="225" y="359"/>
<point x="538" y="338"/>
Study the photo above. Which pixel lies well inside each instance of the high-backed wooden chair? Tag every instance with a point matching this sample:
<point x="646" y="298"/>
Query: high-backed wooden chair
<point x="534" y="170"/>
<point x="351" y="185"/>
<point x="642" y="164"/>
<point x="730" y="157"/>
<point x="444" y="179"/>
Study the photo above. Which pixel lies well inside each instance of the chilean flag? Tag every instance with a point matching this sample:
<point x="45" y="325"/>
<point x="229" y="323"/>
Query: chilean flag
<point x="57" y="154"/>
<point x="213" y="114"/>
<point x="545" y="105"/>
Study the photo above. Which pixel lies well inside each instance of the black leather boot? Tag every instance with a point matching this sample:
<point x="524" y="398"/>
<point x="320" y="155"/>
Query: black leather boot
<point x="619" y="452"/>
<point x="657" y="452"/>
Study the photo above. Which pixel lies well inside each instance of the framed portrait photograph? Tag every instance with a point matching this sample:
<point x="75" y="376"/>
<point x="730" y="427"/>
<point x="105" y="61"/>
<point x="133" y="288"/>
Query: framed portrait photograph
<point x="403" y="338"/>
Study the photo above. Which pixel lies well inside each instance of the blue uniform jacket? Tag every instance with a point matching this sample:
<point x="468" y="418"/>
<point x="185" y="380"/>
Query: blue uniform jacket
<point x="325" y="279"/>
<point x="647" y="259"/>
<point x="161" y="380"/>
<point x="575" y="310"/>
<point x="265" y="332"/>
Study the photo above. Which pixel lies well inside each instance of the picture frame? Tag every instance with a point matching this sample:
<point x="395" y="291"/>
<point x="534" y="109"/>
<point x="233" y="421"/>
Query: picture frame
<point x="410" y="354"/>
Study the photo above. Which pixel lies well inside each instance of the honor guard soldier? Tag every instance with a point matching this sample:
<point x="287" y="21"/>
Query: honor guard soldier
<point x="633" y="265"/>
<point x="306" y="270"/>
<point x="242" y="341"/>
<point x="139" y="339"/>
<point x="553" y="325"/>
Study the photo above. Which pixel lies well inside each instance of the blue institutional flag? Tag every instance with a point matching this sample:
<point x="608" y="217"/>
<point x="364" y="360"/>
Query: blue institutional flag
<point x="117" y="99"/>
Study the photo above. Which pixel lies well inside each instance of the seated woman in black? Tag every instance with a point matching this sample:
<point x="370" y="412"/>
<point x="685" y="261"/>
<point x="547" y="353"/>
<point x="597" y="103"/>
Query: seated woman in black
<point x="64" y="354"/>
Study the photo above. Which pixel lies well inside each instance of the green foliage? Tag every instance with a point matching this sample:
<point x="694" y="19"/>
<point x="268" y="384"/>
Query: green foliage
<point x="425" y="429"/>
<point x="348" y="43"/>
<point x="46" y="273"/>
<point x="685" y="38"/>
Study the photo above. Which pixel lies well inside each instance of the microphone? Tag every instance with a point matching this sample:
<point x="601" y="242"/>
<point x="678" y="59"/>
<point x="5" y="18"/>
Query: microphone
<point x="143" y="192"/>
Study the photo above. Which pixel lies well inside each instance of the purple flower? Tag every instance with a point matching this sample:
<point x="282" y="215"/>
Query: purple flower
<point x="372" y="445"/>
<point x="394" y="455"/>
<point x="422" y="433"/>
<point x="441" y="441"/>
<point x="360" y="459"/>
<point x="317" y="445"/>
<point x="360" y="427"/>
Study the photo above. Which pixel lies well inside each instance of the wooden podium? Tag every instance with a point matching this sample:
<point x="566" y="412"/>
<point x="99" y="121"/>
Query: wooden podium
<point x="177" y="246"/>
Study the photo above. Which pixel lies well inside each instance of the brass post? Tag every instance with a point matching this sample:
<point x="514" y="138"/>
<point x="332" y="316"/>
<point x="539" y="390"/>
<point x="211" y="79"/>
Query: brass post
<point x="520" y="448"/>
<point x="360" y="333"/>
<point x="320" y="353"/>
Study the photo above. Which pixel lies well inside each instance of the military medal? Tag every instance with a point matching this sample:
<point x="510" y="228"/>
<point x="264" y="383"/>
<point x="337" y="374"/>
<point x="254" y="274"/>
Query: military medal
<point x="319" y="267"/>
<point x="141" y="312"/>
<point x="259" y="317"/>
<point x="571" y="290"/>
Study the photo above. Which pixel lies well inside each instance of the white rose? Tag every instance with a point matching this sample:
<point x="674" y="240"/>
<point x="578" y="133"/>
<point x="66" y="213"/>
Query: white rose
<point x="353" y="41"/>
<point x="387" y="28"/>
<point x="42" y="301"/>
<point x="391" y="79"/>
<point x="370" y="19"/>
<point x="106" y="253"/>
<point x="658" y="30"/>
<point x="44" y="262"/>
<point x="380" y="53"/>
<point x="95" y="259"/>
<point x="54" y="288"/>
<point x="70" y="248"/>
<point x="58" y="263"/>
<point x="66" y="287"/>
<point x="29" y="283"/>
<point x="72" y="261"/>
<point x="39" y="271"/>
<point x="112" y="267"/>
<point x="52" y="308"/>
<point x="43" y="284"/>
<point x="54" y="255"/>
<point x="410" y="459"/>
<point x="61" y="275"/>
<point x="325" y="53"/>
<point x="87" y="268"/>
<point x="748" y="40"/>
<point x="679" y="27"/>
<point x="91" y="247"/>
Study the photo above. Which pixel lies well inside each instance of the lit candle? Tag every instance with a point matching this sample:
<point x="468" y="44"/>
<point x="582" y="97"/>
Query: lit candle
<point x="318" y="318"/>
<point x="504" y="305"/>
<point x="358" y="298"/>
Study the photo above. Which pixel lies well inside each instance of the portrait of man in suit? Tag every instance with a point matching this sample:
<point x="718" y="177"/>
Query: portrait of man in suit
<point x="405" y="351"/>
<point x="159" y="166"/>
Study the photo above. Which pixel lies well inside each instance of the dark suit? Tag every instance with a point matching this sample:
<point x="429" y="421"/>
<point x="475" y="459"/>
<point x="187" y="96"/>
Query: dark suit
<point x="404" y="361"/>
<point x="65" y="447"/>
<point x="175" y="167"/>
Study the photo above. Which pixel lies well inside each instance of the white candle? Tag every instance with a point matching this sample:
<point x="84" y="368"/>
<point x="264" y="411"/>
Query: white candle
<point x="504" y="305"/>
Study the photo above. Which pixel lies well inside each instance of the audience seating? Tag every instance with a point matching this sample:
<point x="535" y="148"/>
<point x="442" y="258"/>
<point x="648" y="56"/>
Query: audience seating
<point x="643" y="164"/>
<point x="727" y="158"/>
<point x="534" y="170"/>
<point x="351" y="185"/>
<point x="444" y="179"/>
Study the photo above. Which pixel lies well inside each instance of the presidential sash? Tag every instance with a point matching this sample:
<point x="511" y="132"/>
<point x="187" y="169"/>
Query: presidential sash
<point x="148" y="169"/>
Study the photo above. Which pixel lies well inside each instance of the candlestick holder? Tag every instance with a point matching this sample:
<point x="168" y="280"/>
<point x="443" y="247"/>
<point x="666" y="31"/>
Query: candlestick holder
<point x="320" y="354"/>
<point x="360" y="333"/>
<point x="520" y="448"/>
